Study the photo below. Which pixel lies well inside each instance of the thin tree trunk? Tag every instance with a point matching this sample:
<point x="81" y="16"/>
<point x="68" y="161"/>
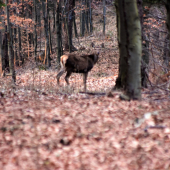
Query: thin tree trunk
<point x="104" y="16"/>
<point x="35" y="30"/>
<point x="16" y="60"/>
<point x="50" y="43"/>
<point x="1" y="56"/>
<point x="74" y="22"/>
<point x="90" y="17"/>
<point x="54" y="16"/>
<point x="9" y="36"/>
<point x="69" y="5"/>
<point x="5" y="57"/>
<point x="82" y="19"/>
<point x="45" y="12"/>
<point x="87" y="16"/>
<point x="19" y="46"/>
<point x="145" y="47"/>
<point x="58" y="26"/>
<point x="39" y="24"/>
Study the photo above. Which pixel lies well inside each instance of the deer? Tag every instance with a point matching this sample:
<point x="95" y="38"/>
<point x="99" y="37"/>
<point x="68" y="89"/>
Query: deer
<point x="74" y="63"/>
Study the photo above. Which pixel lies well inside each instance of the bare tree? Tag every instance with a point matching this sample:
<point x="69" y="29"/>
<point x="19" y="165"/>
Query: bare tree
<point x="10" y="48"/>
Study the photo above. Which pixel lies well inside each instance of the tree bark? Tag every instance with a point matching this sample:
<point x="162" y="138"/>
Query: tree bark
<point x="10" y="52"/>
<point x="1" y="56"/>
<point x="122" y="42"/>
<point x="90" y="17"/>
<point x="47" y="49"/>
<point x="145" y="47"/>
<point x="134" y="49"/>
<point x="58" y="27"/>
<point x="129" y="39"/>
<point x="69" y="5"/>
<point x="35" y="30"/>
<point x="104" y="16"/>
<point x="82" y="18"/>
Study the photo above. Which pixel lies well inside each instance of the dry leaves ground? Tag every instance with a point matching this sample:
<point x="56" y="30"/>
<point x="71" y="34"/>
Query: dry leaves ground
<point x="43" y="126"/>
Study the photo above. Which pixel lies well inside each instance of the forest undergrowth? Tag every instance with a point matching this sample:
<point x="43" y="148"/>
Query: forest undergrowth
<point x="44" y="126"/>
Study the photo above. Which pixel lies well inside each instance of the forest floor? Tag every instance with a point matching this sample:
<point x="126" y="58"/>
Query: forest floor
<point x="46" y="127"/>
<point x="43" y="126"/>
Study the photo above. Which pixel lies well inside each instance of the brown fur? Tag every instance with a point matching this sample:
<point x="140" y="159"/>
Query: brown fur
<point x="73" y="63"/>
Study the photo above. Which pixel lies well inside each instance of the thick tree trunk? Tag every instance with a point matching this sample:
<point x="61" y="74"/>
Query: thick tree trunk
<point x="122" y="41"/>
<point x="129" y="39"/>
<point x="134" y="48"/>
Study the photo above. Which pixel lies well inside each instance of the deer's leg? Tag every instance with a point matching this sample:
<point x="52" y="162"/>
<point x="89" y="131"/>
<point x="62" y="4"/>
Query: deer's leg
<point x="84" y="80"/>
<point x="59" y="75"/>
<point x="67" y="77"/>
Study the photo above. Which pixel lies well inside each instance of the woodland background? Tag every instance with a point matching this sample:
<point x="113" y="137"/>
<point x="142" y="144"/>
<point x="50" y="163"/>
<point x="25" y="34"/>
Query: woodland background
<point x="44" y="126"/>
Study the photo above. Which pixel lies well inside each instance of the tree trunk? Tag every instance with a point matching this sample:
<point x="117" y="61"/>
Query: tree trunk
<point x="145" y="47"/>
<point x="5" y="57"/>
<point x="16" y="60"/>
<point x="19" y="46"/>
<point x="58" y="26"/>
<point x="50" y="41"/>
<point x="75" y="26"/>
<point x="82" y="18"/>
<point x="134" y="49"/>
<point x="35" y="30"/>
<point x="104" y="16"/>
<point x="1" y="56"/>
<point x="47" y="50"/>
<point x="90" y="17"/>
<point x="122" y="41"/>
<point x="10" y="52"/>
<point x="87" y="16"/>
<point x="129" y="39"/>
<point x="54" y="16"/>
<point x="69" y="5"/>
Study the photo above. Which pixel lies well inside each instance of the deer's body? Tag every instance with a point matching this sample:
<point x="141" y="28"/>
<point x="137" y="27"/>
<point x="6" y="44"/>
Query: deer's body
<point x="72" y="63"/>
